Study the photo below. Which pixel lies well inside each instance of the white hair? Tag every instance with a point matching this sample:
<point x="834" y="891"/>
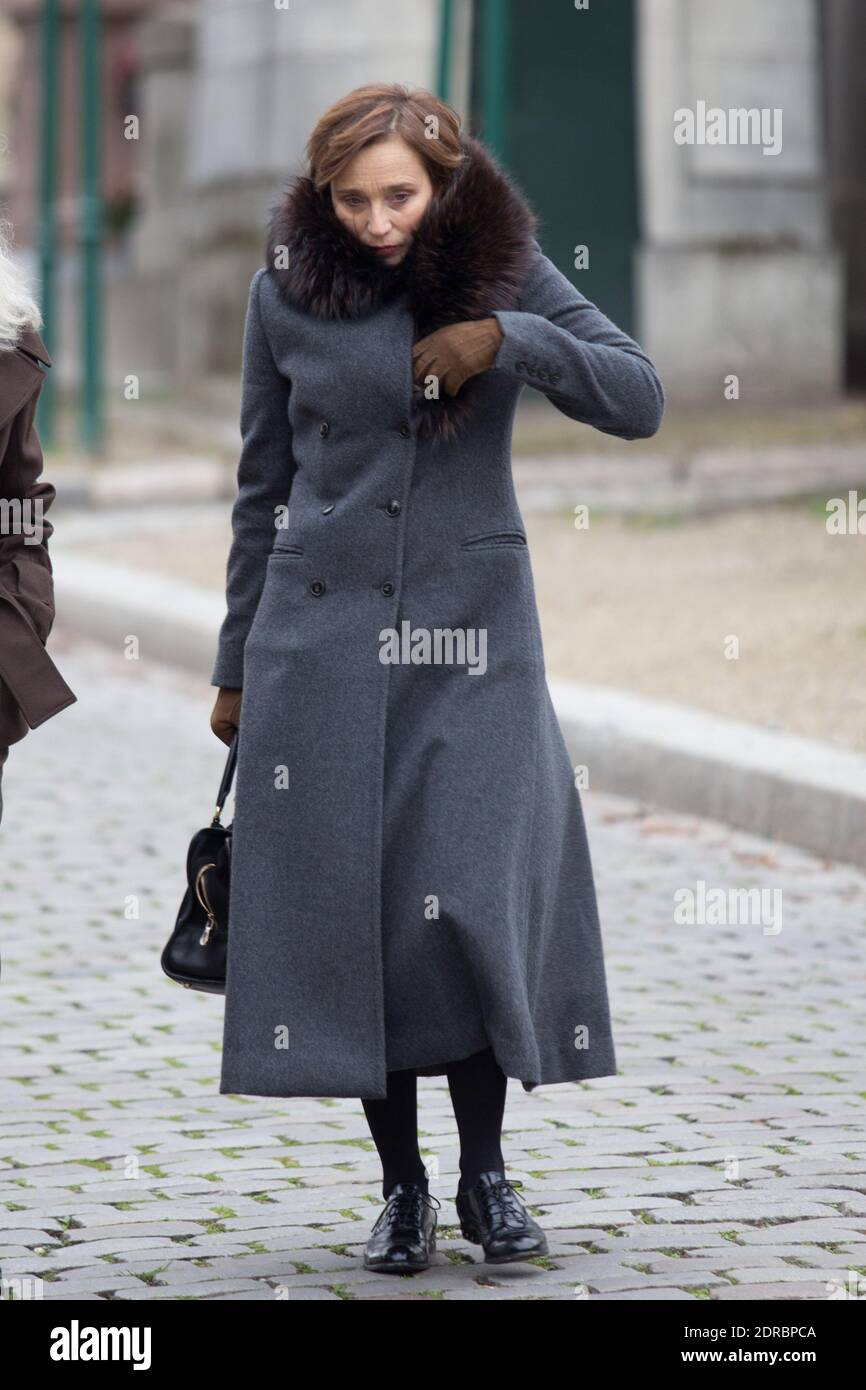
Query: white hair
<point x="18" y="308"/>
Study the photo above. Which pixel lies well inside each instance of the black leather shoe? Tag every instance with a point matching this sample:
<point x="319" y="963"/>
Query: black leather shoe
<point x="494" y="1216"/>
<point x="404" y="1236"/>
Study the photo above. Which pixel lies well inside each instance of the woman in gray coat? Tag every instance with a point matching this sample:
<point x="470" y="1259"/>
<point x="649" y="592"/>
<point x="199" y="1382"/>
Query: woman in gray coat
<point x="412" y="890"/>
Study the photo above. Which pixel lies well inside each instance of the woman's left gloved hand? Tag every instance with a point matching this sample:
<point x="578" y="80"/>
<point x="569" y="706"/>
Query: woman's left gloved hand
<point x="456" y="352"/>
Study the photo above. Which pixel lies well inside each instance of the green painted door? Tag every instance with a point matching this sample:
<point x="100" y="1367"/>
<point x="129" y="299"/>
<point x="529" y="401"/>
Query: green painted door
<point x="553" y="89"/>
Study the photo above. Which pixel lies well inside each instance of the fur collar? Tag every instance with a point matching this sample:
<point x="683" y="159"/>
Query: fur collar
<point x="470" y="255"/>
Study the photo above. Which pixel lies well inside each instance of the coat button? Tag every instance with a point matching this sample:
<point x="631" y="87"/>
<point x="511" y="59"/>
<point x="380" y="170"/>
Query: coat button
<point x="317" y="587"/>
<point x="393" y="507"/>
<point x="387" y="588"/>
<point x="405" y="431"/>
<point x="323" y="428"/>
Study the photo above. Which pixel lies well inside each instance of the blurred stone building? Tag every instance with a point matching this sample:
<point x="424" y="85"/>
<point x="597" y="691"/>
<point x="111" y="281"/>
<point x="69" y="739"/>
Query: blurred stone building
<point x="732" y="247"/>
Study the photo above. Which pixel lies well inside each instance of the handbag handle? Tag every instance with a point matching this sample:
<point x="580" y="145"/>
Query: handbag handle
<point x="226" y="783"/>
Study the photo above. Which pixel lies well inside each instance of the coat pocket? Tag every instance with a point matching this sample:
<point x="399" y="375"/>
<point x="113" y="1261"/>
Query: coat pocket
<point x="30" y="581"/>
<point x="493" y="538"/>
<point x="292" y="551"/>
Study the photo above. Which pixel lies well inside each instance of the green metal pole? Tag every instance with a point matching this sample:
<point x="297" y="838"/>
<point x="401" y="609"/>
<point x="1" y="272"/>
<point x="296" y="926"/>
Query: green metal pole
<point x="90" y="227"/>
<point x="46" y="220"/>
<point x="494" y="75"/>
<point x="443" y="56"/>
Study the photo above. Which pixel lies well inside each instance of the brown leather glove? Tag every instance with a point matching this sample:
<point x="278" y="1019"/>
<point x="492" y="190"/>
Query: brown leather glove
<point x="456" y="352"/>
<point x="226" y="715"/>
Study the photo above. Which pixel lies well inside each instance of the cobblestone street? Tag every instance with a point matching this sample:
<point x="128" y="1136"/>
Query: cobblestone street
<point x="726" y="1161"/>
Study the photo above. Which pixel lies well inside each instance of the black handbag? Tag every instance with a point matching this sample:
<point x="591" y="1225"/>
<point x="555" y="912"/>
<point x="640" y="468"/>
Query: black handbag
<point x="195" y="953"/>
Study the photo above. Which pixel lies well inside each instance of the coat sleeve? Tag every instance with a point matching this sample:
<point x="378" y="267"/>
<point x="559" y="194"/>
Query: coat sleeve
<point x="25" y="566"/>
<point x="558" y="342"/>
<point x="265" y="472"/>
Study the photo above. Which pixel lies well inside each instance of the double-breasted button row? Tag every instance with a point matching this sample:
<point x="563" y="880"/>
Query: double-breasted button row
<point x="393" y="508"/>
<point x="405" y="429"/>
<point x="317" y="588"/>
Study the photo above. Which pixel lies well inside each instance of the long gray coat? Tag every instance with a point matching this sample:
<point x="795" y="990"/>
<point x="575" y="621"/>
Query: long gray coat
<point x="411" y="880"/>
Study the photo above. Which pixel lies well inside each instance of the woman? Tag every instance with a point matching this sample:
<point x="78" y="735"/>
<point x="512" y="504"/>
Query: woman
<point x="411" y="885"/>
<point x="31" y="687"/>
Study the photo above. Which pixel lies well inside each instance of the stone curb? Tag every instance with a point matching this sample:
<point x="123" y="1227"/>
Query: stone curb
<point x="783" y="787"/>
<point x="651" y="484"/>
<point x="777" y="785"/>
<point x="709" y="482"/>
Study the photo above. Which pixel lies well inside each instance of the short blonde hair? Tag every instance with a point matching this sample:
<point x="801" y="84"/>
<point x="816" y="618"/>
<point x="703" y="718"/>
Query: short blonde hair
<point x="18" y="308"/>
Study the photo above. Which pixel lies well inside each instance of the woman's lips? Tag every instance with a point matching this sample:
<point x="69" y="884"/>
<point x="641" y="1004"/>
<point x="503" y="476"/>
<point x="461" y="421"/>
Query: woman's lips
<point x="383" y="250"/>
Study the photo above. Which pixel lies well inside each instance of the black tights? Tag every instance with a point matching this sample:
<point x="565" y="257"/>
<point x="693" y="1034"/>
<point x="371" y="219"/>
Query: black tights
<point x="477" y="1085"/>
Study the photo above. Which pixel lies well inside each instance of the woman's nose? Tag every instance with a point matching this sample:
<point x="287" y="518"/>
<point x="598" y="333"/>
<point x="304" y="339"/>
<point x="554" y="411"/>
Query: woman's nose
<point x="379" y="223"/>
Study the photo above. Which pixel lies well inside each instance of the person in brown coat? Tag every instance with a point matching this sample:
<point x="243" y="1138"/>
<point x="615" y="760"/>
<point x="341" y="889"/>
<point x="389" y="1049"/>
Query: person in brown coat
<point x="31" y="688"/>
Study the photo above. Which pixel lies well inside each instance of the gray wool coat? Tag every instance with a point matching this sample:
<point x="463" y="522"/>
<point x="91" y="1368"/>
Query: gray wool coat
<point x="411" y="880"/>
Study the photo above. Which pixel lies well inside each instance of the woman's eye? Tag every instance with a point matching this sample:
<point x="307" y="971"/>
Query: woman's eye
<point x="354" y="202"/>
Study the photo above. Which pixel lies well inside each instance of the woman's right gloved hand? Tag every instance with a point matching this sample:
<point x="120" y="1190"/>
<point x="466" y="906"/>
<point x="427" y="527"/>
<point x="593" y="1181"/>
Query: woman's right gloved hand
<point x="226" y="715"/>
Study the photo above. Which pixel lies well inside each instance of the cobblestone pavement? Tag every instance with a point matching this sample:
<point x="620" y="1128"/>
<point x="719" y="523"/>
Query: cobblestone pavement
<point x="727" y="1160"/>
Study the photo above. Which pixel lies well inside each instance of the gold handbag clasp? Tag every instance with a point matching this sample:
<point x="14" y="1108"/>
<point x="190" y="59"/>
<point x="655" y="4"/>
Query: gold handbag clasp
<point x="205" y="902"/>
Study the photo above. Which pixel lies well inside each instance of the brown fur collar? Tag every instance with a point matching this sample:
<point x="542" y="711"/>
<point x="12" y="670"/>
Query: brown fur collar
<point x="469" y="255"/>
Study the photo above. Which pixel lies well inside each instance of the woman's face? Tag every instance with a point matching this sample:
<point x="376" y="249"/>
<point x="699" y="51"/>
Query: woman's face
<point x="382" y="195"/>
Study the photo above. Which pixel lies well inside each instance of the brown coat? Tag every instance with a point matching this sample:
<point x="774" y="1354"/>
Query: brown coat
<point x="31" y="687"/>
